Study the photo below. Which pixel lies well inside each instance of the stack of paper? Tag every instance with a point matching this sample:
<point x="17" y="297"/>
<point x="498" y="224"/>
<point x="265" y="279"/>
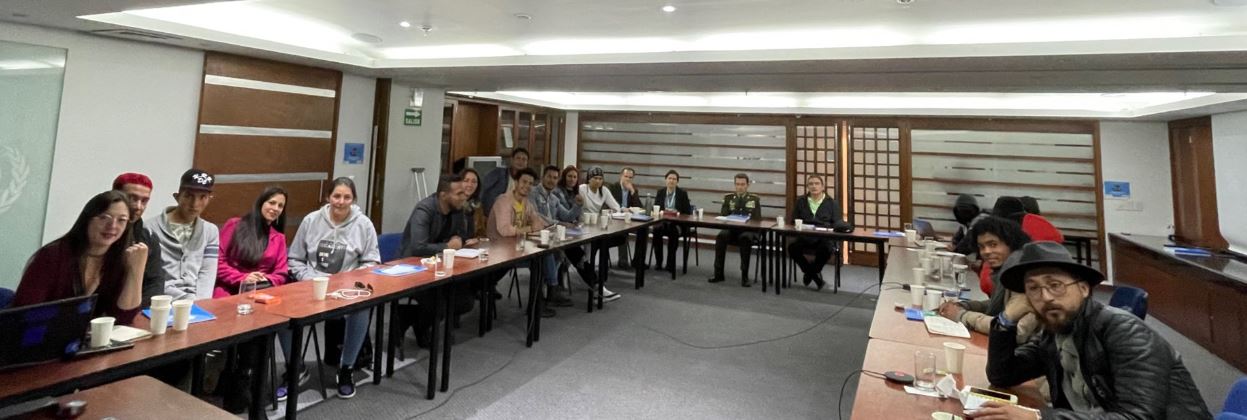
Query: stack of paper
<point x="467" y="253"/>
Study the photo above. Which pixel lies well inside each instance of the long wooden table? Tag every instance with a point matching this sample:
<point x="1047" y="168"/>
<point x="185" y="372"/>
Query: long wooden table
<point x="889" y="323"/>
<point x="869" y="236"/>
<point x="141" y="398"/>
<point x="760" y="226"/>
<point x="229" y="328"/>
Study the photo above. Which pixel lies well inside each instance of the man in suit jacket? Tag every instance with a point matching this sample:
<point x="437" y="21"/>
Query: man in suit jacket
<point x="671" y="198"/>
<point x="820" y="210"/>
<point x="739" y="203"/>
<point x="499" y="180"/>
<point x="627" y="195"/>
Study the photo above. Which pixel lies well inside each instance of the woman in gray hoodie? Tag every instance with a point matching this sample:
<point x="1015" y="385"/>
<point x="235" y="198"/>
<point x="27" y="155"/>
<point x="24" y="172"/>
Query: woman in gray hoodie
<point x="334" y="239"/>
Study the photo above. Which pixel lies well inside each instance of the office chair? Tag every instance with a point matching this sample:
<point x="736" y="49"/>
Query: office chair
<point x="6" y="297"/>
<point x="389" y="244"/>
<point x="1131" y="299"/>
<point x="1236" y="401"/>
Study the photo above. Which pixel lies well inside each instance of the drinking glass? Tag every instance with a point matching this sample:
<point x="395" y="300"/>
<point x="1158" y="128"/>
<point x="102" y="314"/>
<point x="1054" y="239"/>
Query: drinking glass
<point x="247" y="290"/>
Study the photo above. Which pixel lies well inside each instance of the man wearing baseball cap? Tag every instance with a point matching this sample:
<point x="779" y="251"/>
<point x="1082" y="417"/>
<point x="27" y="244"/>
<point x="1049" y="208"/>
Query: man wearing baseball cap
<point x="138" y="188"/>
<point x="1100" y="361"/>
<point x="189" y="244"/>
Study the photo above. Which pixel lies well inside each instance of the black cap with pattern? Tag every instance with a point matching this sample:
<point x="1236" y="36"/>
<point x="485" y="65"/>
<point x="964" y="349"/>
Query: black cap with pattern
<point x="198" y="179"/>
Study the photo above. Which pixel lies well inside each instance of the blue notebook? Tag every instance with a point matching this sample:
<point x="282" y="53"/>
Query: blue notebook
<point x="399" y="270"/>
<point x="197" y="315"/>
<point x="888" y="233"/>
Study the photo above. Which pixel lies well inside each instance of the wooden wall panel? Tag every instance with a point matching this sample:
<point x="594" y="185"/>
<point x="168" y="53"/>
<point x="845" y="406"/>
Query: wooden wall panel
<point x="264" y="154"/>
<point x="240" y="67"/>
<point x="280" y="109"/>
<point x="1194" y="183"/>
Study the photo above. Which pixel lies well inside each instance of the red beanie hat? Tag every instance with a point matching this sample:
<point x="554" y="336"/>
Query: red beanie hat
<point x="131" y="178"/>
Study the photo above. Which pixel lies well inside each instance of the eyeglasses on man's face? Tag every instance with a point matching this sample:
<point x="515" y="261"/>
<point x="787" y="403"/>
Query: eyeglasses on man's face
<point x="1055" y="289"/>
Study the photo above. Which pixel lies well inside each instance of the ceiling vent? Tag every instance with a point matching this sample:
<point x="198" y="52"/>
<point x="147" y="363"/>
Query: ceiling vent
<point x="135" y="34"/>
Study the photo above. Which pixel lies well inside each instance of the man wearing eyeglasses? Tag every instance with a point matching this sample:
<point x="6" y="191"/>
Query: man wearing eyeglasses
<point x="1100" y="361"/>
<point x="189" y="245"/>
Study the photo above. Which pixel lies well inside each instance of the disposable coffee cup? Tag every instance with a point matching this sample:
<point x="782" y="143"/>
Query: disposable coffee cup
<point x="911" y="236"/>
<point x="102" y="331"/>
<point x="586" y="218"/>
<point x="162" y="300"/>
<point x="916" y="293"/>
<point x="701" y="213"/>
<point x="932" y="300"/>
<point x="655" y="211"/>
<point x="160" y="318"/>
<point x="181" y="314"/>
<point x="544" y="236"/>
<point x="800" y="224"/>
<point x="448" y="258"/>
<point x="920" y="276"/>
<point x="320" y="287"/>
<point x="560" y="232"/>
<point x="779" y="221"/>
<point x="954" y="355"/>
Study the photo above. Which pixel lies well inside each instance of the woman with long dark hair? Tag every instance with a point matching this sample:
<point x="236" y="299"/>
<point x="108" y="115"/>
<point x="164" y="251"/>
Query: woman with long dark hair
<point x="334" y="239"/>
<point x="253" y="247"/>
<point x="569" y="182"/>
<point x="97" y="256"/>
<point x="472" y="208"/>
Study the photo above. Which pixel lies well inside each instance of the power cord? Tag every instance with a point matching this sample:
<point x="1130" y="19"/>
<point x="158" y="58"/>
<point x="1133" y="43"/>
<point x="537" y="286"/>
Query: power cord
<point x="768" y="340"/>
<point x="469" y="385"/>
<point x="845" y="384"/>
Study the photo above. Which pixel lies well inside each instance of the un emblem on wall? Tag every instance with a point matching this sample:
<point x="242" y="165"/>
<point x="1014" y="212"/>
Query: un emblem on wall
<point x="12" y="179"/>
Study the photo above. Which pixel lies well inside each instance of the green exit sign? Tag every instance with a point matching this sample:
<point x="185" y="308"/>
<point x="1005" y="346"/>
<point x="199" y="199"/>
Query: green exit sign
<point x="413" y="116"/>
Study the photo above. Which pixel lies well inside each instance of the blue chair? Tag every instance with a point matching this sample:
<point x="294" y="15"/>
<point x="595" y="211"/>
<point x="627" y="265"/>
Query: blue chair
<point x="390" y="244"/>
<point x="6" y="298"/>
<point x="1235" y="402"/>
<point x="1130" y="299"/>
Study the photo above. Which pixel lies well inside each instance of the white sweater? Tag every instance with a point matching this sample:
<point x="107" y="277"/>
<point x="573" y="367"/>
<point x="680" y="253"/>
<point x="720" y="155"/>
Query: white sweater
<point x="595" y="201"/>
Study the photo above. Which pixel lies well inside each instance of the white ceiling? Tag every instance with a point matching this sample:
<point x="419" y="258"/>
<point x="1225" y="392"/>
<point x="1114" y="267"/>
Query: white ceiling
<point x="1004" y="46"/>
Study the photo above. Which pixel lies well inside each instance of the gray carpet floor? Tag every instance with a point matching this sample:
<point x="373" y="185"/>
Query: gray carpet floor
<point x="675" y="349"/>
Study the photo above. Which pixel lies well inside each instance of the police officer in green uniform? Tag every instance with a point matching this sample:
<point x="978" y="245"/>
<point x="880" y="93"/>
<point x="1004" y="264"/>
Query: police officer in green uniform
<point x="740" y="202"/>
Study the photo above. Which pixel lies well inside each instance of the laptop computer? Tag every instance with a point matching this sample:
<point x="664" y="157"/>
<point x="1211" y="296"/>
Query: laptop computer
<point x="924" y="228"/>
<point x="44" y="332"/>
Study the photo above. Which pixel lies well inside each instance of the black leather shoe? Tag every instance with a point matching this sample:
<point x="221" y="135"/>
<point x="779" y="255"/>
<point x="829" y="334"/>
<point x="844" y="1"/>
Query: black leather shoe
<point x="745" y="282"/>
<point x="806" y="279"/>
<point x="716" y="280"/>
<point x="820" y="282"/>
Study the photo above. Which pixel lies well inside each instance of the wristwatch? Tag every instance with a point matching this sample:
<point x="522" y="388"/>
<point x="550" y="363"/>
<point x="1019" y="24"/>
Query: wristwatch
<point x="1004" y="321"/>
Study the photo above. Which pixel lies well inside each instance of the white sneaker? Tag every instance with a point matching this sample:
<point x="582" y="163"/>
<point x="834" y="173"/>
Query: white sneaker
<point x="608" y="295"/>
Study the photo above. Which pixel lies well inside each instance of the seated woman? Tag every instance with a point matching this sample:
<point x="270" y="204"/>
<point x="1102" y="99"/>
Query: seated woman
<point x="97" y="256"/>
<point x="337" y="238"/>
<point x="253" y="247"/>
<point x="997" y="239"/>
<point x="671" y="198"/>
<point x="472" y="208"/>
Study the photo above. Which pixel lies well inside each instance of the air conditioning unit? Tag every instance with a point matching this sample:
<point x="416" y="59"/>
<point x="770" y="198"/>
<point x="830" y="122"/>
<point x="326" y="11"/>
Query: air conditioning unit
<point x="135" y="34"/>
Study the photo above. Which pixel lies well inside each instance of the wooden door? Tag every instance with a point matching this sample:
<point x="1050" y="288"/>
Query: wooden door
<point x="1194" y="183"/>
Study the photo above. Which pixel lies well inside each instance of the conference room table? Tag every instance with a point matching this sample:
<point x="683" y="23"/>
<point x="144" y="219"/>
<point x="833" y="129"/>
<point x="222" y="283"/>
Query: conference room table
<point x="780" y="235"/>
<point x="137" y="398"/>
<point x="760" y="226"/>
<point x="229" y="328"/>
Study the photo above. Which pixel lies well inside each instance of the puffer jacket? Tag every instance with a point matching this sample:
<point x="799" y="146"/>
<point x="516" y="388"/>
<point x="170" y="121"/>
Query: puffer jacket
<point x="1132" y="372"/>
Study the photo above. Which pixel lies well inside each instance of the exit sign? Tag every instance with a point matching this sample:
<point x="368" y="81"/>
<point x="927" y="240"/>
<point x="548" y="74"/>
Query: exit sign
<point x="413" y="116"/>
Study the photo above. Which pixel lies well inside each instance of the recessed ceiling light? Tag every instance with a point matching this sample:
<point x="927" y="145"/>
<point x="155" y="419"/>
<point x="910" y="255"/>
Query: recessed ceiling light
<point x="668" y="8"/>
<point x="405" y="24"/>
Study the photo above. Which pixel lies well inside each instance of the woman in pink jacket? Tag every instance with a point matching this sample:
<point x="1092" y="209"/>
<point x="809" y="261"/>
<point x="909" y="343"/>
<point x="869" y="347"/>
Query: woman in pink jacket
<point x="253" y="247"/>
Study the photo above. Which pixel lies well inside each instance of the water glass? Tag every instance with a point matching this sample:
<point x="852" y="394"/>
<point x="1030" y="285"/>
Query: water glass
<point x="924" y="370"/>
<point x="246" y="289"/>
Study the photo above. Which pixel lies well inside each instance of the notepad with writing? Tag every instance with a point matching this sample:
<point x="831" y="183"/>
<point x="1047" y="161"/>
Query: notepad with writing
<point x="943" y="326"/>
<point x="399" y="270"/>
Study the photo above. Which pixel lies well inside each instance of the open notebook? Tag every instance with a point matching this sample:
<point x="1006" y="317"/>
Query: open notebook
<point x="943" y="326"/>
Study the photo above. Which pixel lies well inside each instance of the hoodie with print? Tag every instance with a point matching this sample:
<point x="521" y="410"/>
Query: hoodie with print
<point x="321" y="248"/>
<point x="191" y="266"/>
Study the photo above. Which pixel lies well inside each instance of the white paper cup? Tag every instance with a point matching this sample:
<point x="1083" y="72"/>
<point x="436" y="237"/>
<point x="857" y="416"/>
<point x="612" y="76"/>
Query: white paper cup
<point x="560" y="232"/>
<point x="701" y="213"/>
<point x="779" y="221"/>
<point x="585" y="218"/>
<point x="160" y="319"/>
<point x="320" y="287"/>
<point x="920" y="276"/>
<point x="182" y="314"/>
<point x="448" y="259"/>
<point x="654" y="212"/>
<point x="102" y="331"/>
<point x="928" y="265"/>
<point x="544" y="236"/>
<point x="911" y="236"/>
<point x="800" y="224"/>
<point x="162" y="300"/>
<point x="954" y="355"/>
<point x="916" y="292"/>
<point x="931" y="301"/>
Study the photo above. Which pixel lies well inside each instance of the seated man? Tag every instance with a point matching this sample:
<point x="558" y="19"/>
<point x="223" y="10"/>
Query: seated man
<point x="436" y="224"/>
<point x="1100" y="361"/>
<point x="627" y="195"/>
<point x="138" y="188"/>
<point x="740" y="203"/>
<point x="553" y="209"/>
<point x="500" y="180"/>
<point x="189" y="245"/>
<point x="1000" y="242"/>
<point x="513" y="216"/>
<point x="819" y="210"/>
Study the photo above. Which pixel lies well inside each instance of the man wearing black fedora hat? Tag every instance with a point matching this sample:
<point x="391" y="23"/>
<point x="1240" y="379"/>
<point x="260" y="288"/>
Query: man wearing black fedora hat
<point x="1100" y="362"/>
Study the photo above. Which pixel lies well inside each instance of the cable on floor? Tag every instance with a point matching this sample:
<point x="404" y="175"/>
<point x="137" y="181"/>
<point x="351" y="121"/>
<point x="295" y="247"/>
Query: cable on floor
<point x="845" y="384"/>
<point x="768" y="340"/>
<point x="468" y="385"/>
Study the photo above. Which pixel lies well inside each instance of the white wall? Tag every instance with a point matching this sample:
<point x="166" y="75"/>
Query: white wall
<point x="355" y="126"/>
<point x="571" y="137"/>
<point x="1137" y="152"/>
<point x="1229" y="145"/>
<point x="410" y="147"/>
<point x="126" y="106"/>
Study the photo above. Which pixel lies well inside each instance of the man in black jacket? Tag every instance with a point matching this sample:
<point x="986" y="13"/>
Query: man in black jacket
<point x="435" y="224"/>
<point x="138" y="188"/>
<point x="671" y="198"/>
<point x="1100" y="362"/>
<point x="817" y="209"/>
<point x="628" y="196"/>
